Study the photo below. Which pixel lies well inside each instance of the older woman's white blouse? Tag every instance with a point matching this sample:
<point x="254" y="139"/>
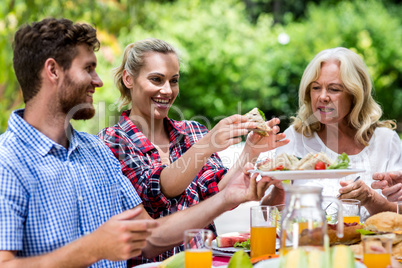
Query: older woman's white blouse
<point x="384" y="153"/>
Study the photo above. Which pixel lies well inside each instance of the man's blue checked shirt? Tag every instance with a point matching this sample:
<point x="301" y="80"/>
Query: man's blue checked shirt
<point x="50" y="196"/>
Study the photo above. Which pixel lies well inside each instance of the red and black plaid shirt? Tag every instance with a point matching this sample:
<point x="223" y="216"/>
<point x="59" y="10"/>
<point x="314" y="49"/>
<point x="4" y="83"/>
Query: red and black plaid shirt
<point x="140" y="162"/>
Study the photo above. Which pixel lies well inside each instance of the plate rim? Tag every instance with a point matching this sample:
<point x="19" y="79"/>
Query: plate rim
<point x="149" y="264"/>
<point x="226" y="250"/>
<point x="233" y="249"/>
<point x="154" y="264"/>
<point x="307" y="174"/>
<point x="275" y="261"/>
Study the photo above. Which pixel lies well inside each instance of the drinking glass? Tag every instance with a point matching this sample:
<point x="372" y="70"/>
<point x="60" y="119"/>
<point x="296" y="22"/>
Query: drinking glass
<point x="263" y="222"/>
<point x="399" y="207"/>
<point x="377" y="250"/>
<point x="280" y="209"/>
<point x="351" y="210"/>
<point x="198" y="248"/>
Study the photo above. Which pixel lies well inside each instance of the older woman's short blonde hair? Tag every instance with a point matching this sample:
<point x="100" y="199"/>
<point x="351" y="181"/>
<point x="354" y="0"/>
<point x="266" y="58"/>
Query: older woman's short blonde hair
<point x="133" y="60"/>
<point x="365" y="113"/>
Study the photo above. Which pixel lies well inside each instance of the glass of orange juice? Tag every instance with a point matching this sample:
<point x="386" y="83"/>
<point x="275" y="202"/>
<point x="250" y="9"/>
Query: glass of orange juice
<point x="263" y="222"/>
<point x="198" y="248"/>
<point x="377" y="250"/>
<point x="351" y="210"/>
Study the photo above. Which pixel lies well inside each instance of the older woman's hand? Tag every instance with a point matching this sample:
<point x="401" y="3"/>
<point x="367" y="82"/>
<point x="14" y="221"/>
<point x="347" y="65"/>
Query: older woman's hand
<point x="390" y="183"/>
<point x="356" y="190"/>
<point x="258" y="144"/>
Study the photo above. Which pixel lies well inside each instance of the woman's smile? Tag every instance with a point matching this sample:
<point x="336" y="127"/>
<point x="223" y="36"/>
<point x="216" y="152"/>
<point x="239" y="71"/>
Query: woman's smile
<point x="162" y="103"/>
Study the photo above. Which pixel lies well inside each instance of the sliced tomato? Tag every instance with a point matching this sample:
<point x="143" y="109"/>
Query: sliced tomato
<point x="280" y="167"/>
<point x="320" y="165"/>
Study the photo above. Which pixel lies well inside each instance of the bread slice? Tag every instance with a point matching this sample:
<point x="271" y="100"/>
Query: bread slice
<point x="397" y="251"/>
<point x="311" y="160"/>
<point x="255" y="115"/>
<point x="303" y="161"/>
<point x="284" y="160"/>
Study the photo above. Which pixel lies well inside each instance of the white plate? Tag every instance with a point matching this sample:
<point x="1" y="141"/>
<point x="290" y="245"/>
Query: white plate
<point x="233" y="250"/>
<point x="146" y="265"/>
<point x="155" y="264"/>
<point x="274" y="263"/>
<point x="228" y="249"/>
<point x="307" y="174"/>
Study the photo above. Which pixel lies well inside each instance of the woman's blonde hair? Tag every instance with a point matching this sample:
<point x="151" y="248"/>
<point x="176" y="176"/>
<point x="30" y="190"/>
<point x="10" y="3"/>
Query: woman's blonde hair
<point x="365" y="113"/>
<point x="133" y="60"/>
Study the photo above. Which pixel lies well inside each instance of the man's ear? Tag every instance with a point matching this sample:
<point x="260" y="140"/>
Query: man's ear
<point x="52" y="70"/>
<point x="127" y="79"/>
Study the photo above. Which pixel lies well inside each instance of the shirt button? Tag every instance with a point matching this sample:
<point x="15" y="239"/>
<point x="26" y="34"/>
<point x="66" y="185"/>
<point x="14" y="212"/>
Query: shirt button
<point x="70" y="165"/>
<point x="80" y="198"/>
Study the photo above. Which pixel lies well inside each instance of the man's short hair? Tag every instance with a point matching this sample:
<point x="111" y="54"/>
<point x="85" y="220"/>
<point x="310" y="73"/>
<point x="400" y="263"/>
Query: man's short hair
<point x="49" y="38"/>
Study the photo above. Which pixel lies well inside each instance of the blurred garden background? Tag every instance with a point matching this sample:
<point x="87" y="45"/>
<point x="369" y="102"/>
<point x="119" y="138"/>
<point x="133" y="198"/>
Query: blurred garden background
<point x="236" y="54"/>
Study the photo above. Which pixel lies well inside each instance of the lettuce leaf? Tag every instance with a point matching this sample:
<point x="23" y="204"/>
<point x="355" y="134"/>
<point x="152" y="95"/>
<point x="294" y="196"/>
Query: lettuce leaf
<point x="364" y="232"/>
<point x="245" y="244"/>
<point x="342" y="162"/>
<point x="261" y="113"/>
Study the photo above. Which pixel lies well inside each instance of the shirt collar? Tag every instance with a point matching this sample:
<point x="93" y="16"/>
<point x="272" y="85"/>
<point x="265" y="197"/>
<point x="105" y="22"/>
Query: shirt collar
<point x="176" y="131"/>
<point x="33" y="137"/>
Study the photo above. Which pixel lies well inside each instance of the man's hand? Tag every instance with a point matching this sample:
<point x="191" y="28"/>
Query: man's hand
<point x="276" y="196"/>
<point x="390" y="183"/>
<point x="244" y="187"/>
<point x="356" y="190"/>
<point x="122" y="237"/>
<point x="258" y="144"/>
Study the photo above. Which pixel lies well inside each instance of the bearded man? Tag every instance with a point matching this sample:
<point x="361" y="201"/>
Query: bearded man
<point x="63" y="199"/>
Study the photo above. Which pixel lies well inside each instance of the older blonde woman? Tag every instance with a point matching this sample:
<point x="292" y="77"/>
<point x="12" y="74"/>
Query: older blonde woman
<point x="337" y="114"/>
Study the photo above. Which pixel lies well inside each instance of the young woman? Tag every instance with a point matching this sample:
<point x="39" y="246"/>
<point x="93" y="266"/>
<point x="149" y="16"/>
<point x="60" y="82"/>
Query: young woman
<point x="172" y="164"/>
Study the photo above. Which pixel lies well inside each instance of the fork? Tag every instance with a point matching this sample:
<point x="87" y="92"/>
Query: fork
<point x="339" y="195"/>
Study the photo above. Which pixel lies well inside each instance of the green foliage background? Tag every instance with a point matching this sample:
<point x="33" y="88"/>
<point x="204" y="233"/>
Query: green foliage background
<point x="232" y="59"/>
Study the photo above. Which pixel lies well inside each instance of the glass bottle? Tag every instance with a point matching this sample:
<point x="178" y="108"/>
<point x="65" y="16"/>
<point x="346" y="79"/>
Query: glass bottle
<point x="303" y="222"/>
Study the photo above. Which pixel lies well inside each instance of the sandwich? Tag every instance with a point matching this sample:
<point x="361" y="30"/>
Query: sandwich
<point x="256" y="115"/>
<point x="384" y="222"/>
<point x="281" y="162"/>
<point x="310" y="160"/>
<point x="397" y="251"/>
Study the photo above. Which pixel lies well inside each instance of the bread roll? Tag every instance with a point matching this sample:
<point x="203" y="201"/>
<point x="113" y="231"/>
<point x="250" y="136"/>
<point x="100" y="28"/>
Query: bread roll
<point x="385" y="222"/>
<point x="397" y="250"/>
